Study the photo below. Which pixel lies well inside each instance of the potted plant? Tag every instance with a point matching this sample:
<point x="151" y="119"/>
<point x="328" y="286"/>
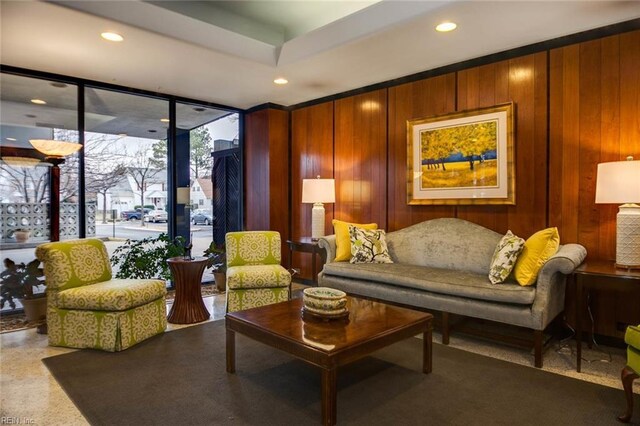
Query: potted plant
<point x="147" y="258"/>
<point x="21" y="235"/>
<point x="17" y="281"/>
<point x="217" y="261"/>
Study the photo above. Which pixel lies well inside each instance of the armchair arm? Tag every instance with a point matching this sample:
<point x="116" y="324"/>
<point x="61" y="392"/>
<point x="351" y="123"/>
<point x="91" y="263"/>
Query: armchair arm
<point x="550" y="287"/>
<point x="632" y="337"/>
<point x="328" y="243"/>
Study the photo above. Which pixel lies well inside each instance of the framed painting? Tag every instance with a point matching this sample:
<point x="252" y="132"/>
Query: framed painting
<point x="462" y="158"/>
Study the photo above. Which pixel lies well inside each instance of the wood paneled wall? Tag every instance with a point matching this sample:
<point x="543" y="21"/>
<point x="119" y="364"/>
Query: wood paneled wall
<point x="575" y="107"/>
<point x="311" y="155"/>
<point x="522" y="81"/>
<point x="360" y="159"/>
<point x="594" y="118"/>
<point x="266" y="173"/>
<point x="423" y="98"/>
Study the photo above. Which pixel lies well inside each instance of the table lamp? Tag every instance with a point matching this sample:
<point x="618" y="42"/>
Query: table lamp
<point x="318" y="191"/>
<point x="618" y="182"/>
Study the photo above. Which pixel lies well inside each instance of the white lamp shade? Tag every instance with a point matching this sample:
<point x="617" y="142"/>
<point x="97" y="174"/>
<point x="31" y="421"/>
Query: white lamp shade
<point x="21" y="161"/>
<point x="618" y="182"/>
<point x="318" y="191"/>
<point x="55" y="148"/>
<point x="183" y="195"/>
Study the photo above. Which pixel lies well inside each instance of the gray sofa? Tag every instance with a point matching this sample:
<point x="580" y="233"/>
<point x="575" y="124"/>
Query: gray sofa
<point x="443" y="265"/>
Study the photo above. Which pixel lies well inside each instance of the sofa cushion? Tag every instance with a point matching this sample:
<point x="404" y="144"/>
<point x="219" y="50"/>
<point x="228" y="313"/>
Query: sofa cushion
<point x="444" y="281"/>
<point x="368" y="246"/>
<point x="257" y="276"/>
<point x="112" y="295"/>
<point x="537" y="250"/>
<point x="343" y="244"/>
<point x="505" y="257"/>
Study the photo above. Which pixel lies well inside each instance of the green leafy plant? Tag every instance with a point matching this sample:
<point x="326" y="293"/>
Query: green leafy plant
<point x="216" y="257"/>
<point x="147" y="258"/>
<point x="18" y="280"/>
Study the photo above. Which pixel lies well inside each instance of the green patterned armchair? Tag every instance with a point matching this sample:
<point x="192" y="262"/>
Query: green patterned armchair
<point x="86" y="308"/>
<point x="632" y="370"/>
<point x="254" y="274"/>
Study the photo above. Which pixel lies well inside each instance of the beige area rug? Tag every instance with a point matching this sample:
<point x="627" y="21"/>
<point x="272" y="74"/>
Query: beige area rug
<point x="15" y="322"/>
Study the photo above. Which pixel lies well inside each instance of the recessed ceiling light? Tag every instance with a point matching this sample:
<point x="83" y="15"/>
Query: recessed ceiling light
<point x="38" y="101"/>
<point x="112" y="36"/>
<point x="446" y="26"/>
<point x="280" y="80"/>
<point x="30" y="115"/>
<point x="11" y="139"/>
<point x="152" y="131"/>
<point x="199" y="109"/>
<point x="59" y="85"/>
<point x="164" y="120"/>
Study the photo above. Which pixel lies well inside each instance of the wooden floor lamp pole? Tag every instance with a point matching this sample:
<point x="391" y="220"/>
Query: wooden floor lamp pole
<point x="54" y="198"/>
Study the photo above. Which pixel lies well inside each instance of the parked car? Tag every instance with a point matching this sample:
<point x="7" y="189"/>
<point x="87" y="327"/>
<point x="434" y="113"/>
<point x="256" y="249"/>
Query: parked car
<point x="157" y="215"/>
<point x="136" y="214"/>
<point x="202" y="217"/>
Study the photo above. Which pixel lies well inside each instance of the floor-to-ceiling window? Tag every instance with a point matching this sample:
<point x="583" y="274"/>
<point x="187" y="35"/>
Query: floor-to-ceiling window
<point x="200" y="132"/>
<point x="125" y="163"/>
<point x="35" y="109"/>
<point x="122" y="182"/>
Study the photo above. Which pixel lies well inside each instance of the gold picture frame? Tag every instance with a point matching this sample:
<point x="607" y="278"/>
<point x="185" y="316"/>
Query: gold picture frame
<point x="462" y="158"/>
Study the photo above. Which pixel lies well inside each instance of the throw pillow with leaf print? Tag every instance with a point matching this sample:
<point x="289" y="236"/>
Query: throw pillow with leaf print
<point x="368" y="246"/>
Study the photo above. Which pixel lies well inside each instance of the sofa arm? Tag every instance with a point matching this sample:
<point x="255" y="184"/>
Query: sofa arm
<point x="328" y="243"/>
<point x="550" y="287"/>
<point x="566" y="260"/>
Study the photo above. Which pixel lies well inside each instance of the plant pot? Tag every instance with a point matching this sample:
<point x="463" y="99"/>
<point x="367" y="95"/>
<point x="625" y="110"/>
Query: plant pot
<point x="36" y="311"/>
<point x="21" y="236"/>
<point x="221" y="281"/>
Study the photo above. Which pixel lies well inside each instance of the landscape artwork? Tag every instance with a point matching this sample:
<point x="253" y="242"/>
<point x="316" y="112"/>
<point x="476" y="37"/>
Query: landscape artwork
<point x="462" y="158"/>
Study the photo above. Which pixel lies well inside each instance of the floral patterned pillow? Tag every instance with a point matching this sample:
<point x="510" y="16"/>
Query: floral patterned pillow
<point x="504" y="257"/>
<point x="368" y="246"/>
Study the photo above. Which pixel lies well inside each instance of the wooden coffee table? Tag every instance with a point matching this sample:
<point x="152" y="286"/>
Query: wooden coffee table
<point x="328" y="345"/>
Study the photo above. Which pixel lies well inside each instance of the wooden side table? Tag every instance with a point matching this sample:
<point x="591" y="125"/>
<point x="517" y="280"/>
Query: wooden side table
<point x="188" y="307"/>
<point x="600" y="275"/>
<point x="305" y="245"/>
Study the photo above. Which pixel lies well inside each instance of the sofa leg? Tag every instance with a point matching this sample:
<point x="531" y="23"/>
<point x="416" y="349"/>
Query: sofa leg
<point x="628" y="376"/>
<point x="537" y="347"/>
<point x="445" y="328"/>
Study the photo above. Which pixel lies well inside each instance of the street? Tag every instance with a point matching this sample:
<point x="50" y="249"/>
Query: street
<point x="202" y="235"/>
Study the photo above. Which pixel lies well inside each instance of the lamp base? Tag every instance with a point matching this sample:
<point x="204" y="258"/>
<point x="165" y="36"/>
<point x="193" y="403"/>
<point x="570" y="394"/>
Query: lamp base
<point x="628" y="237"/>
<point x="317" y="221"/>
<point x="628" y="267"/>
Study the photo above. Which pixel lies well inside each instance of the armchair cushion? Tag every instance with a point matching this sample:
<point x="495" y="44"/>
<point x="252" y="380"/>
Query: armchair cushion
<point x="74" y="263"/>
<point x="632" y="337"/>
<point x="257" y="276"/>
<point x="253" y="248"/>
<point x="113" y="295"/>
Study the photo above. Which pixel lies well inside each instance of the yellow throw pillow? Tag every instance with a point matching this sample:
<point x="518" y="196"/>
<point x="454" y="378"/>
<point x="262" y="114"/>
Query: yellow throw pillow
<point x="537" y="250"/>
<point x="343" y="243"/>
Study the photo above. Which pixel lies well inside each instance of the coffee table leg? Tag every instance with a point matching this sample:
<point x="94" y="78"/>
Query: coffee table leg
<point x="329" y="396"/>
<point x="231" y="351"/>
<point x="427" y="350"/>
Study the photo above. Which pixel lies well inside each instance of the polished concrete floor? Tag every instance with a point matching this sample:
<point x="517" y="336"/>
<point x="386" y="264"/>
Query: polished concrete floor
<point x="30" y="395"/>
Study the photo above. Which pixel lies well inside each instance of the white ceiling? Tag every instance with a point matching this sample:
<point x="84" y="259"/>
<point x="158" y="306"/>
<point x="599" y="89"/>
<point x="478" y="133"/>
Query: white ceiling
<point x="230" y="52"/>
